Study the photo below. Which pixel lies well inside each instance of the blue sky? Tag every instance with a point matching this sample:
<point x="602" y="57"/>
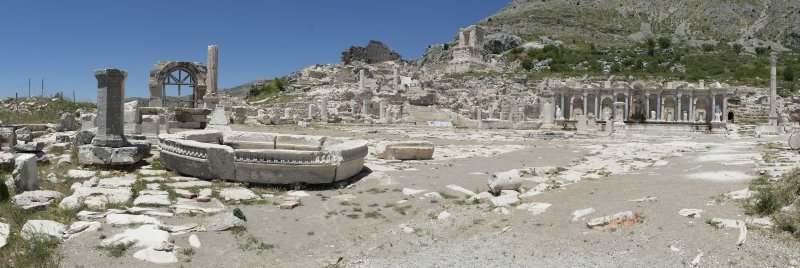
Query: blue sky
<point x="64" y="41"/>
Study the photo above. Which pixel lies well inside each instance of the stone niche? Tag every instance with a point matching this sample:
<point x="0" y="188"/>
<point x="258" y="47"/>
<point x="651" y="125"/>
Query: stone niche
<point x="264" y="158"/>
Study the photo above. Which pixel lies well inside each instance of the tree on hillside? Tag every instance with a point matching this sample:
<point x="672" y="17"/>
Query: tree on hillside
<point x="664" y="42"/>
<point x="788" y="74"/>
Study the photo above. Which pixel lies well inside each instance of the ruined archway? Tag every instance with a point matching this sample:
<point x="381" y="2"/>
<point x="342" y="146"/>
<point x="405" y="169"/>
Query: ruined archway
<point x="180" y="74"/>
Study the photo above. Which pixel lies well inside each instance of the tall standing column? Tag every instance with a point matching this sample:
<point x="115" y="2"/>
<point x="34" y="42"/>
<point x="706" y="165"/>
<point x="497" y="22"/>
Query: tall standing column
<point x="585" y="103"/>
<point x="365" y="108"/>
<point x="211" y="77"/>
<point x="713" y="106"/>
<point x="563" y="109"/>
<point x="396" y="78"/>
<point x="658" y="108"/>
<point x="725" y="108"/>
<point x="679" y="111"/>
<point x="323" y="109"/>
<point x="773" y="84"/>
<point x="596" y="106"/>
<point x="691" y="108"/>
<point x="361" y="79"/>
<point x="647" y="107"/>
<point x="110" y="106"/>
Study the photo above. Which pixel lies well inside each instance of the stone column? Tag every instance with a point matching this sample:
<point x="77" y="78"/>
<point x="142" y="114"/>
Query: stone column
<point x="396" y="78"/>
<point x="571" y="108"/>
<point x="679" y="111"/>
<point x="773" y="84"/>
<point x="724" y="116"/>
<point x="323" y="109"/>
<point x="647" y="107"/>
<point x="382" y="112"/>
<point x="211" y="77"/>
<point x="563" y="108"/>
<point x="713" y="107"/>
<point x="596" y="105"/>
<point x="585" y="103"/>
<point x="658" y="107"/>
<point x="353" y="110"/>
<point x="361" y="79"/>
<point x="110" y="101"/>
<point x="480" y="122"/>
<point x="365" y="108"/>
<point x="691" y="108"/>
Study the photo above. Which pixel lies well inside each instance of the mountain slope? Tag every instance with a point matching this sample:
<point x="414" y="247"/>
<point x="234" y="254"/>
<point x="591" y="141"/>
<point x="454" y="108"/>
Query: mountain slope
<point x="753" y="23"/>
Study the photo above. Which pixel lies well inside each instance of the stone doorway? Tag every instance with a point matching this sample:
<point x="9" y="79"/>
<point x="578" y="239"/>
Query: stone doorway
<point x="731" y="117"/>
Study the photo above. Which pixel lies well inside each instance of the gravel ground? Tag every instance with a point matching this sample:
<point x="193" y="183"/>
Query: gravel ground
<point x="374" y="230"/>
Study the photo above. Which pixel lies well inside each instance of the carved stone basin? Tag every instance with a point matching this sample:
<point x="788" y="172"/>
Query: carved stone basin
<point x="267" y="158"/>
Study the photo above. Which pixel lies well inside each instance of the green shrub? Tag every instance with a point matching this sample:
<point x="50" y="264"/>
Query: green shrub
<point x="737" y="48"/>
<point x="664" y="42"/>
<point x="527" y="64"/>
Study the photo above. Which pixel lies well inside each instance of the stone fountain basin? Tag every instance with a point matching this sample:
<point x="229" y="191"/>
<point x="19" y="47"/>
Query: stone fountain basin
<point x="267" y="158"/>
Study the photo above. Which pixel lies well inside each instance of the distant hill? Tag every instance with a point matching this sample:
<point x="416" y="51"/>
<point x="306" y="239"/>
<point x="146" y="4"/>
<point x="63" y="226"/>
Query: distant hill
<point x="748" y="22"/>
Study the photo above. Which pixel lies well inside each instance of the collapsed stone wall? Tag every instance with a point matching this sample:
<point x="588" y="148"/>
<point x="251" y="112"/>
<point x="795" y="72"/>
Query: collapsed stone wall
<point x="374" y="52"/>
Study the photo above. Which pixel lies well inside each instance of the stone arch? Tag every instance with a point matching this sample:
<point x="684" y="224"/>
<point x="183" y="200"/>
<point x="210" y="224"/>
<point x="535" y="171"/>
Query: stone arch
<point x="159" y="73"/>
<point x="606" y="108"/>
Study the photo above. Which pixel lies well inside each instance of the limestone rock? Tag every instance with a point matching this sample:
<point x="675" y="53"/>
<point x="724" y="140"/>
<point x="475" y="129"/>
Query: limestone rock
<point x="237" y="194"/>
<point x="80" y="227"/>
<point x="26" y="176"/>
<point x="42" y="228"/>
<point x="578" y="214"/>
<point x="24" y="134"/>
<point x="504" y="200"/>
<point x="374" y="52"/>
<point x="150" y="254"/>
<point x="152" y="200"/>
<point x="147" y="235"/>
<point x="501" y="42"/>
<point x="5" y="229"/>
<point x="33" y="199"/>
<point x="194" y="241"/>
<point x="507" y="180"/>
<point x="125" y="219"/>
<point x="534" y="208"/>
<point x="80" y="174"/>
<point x="71" y="202"/>
<point x="460" y="189"/>
<point x="222" y="222"/>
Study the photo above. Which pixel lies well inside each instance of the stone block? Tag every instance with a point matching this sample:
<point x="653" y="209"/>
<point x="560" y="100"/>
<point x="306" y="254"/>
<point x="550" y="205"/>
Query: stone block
<point x="6" y="162"/>
<point x="406" y="150"/>
<point x="85" y="136"/>
<point x="8" y="138"/>
<point x="24" y="134"/>
<point x="98" y="155"/>
<point x="131" y="113"/>
<point x="299" y="142"/>
<point x="29" y="147"/>
<point x="88" y="121"/>
<point x="150" y="125"/>
<point x="67" y="123"/>
<point x="26" y="176"/>
<point x="133" y="128"/>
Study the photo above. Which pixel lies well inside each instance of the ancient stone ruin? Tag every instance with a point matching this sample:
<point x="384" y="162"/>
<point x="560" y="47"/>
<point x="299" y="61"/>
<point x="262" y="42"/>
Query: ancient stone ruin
<point x="374" y="52"/>
<point x="265" y="158"/>
<point x="110" y="146"/>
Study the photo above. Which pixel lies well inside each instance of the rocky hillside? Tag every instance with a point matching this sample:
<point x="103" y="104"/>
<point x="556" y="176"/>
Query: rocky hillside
<point x="752" y="23"/>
